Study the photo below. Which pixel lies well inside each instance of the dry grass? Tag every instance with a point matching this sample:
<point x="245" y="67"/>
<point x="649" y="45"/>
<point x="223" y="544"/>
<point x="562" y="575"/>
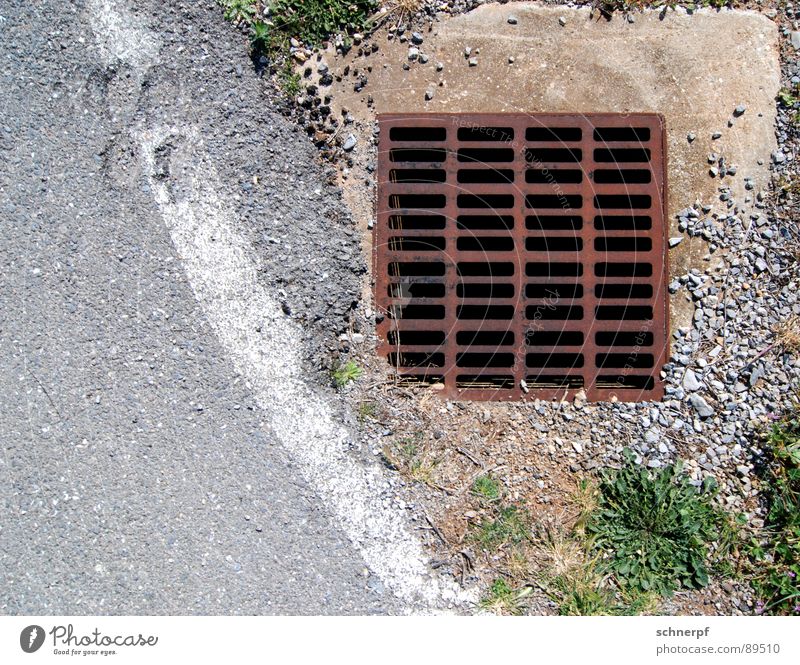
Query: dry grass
<point x="558" y="552"/>
<point x="583" y="501"/>
<point x="399" y="11"/>
<point x="787" y="334"/>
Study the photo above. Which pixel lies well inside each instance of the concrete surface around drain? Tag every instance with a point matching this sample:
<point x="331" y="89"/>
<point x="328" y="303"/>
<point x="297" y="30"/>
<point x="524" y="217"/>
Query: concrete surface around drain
<point x="695" y="69"/>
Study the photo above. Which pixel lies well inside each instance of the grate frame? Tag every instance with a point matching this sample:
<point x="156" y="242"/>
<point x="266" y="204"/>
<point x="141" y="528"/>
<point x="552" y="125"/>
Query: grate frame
<point x="450" y="168"/>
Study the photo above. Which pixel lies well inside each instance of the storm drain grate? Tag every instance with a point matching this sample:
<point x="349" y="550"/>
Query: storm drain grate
<point x="523" y="254"/>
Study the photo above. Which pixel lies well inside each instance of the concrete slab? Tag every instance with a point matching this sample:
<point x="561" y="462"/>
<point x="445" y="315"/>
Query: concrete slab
<point x="695" y="69"/>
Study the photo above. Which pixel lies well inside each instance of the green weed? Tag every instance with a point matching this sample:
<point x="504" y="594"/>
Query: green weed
<point x="313" y="21"/>
<point x="290" y="80"/>
<point x="239" y="11"/>
<point x="344" y="374"/>
<point x="654" y="529"/>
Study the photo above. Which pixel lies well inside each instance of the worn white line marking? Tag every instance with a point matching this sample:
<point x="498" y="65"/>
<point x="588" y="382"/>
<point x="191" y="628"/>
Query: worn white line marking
<point x="225" y="282"/>
<point x="120" y="36"/>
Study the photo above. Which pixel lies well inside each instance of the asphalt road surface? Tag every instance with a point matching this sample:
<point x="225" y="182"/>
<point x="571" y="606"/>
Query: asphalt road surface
<point x="139" y="473"/>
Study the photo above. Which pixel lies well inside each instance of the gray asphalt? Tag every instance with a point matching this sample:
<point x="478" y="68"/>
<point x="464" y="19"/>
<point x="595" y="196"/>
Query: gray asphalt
<point x="137" y="475"/>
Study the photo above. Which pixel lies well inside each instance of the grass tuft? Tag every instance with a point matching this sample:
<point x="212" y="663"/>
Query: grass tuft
<point x="787" y="334"/>
<point x="486" y="487"/>
<point x="510" y="525"/>
<point x="502" y="598"/>
<point x="776" y="554"/>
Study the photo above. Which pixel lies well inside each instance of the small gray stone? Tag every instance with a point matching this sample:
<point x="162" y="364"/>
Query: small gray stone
<point x="761" y="265"/>
<point x="674" y="242"/>
<point x="473" y="62"/>
<point x="701" y="406"/>
<point x="349" y="143"/>
<point x="563" y="21"/>
<point x="778" y="157"/>
<point x="429" y="94"/>
<point x="691" y="382"/>
<point x="691" y="136"/>
<point x="739" y="110"/>
<point x="417" y="38"/>
<point x="413" y="53"/>
<point x="512" y="19"/>
<point x="794" y="37"/>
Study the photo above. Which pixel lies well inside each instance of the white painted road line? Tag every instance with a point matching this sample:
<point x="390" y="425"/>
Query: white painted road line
<point x="263" y="345"/>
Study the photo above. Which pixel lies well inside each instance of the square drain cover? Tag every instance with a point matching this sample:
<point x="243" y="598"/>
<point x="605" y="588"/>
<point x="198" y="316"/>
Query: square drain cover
<point x="521" y="254"/>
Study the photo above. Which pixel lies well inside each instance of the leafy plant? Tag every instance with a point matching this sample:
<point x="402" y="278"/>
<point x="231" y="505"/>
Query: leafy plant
<point x="510" y="525"/>
<point x="262" y="39"/>
<point x="486" y="488"/>
<point x="313" y="21"/>
<point x="777" y="555"/>
<point x="344" y="374"/>
<point x="787" y="97"/>
<point x="239" y="11"/>
<point x="654" y="528"/>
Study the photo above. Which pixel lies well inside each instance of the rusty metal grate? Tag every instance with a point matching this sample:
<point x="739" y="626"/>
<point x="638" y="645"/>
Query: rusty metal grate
<point x="523" y="254"/>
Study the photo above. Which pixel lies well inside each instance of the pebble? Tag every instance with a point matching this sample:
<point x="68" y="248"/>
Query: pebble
<point x="739" y="110"/>
<point x="417" y="38"/>
<point x="691" y="382"/>
<point x="674" y="242"/>
<point x="473" y="62"/>
<point x="691" y="136"/>
<point x="562" y="21"/>
<point x="349" y="143"/>
<point x="512" y="19"/>
<point x="701" y="406"/>
<point x="429" y="94"/>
